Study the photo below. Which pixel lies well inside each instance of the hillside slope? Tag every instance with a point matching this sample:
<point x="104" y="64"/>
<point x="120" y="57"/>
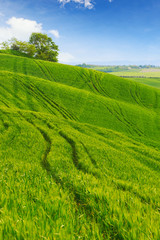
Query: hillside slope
<point x="80" y="153"/>
<point x="151" y="81"/>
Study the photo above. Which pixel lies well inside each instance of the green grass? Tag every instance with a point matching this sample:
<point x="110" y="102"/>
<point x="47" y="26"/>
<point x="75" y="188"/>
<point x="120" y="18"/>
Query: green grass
<point x="13" y="52"/>
<point x="148" y="78"/>
<point x="80" y="153"/>
<point x="137" y="74"/>
<point x="153" y="82"/>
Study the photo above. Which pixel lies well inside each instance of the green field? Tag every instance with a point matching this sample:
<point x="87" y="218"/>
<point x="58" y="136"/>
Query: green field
<point x="147" y="74"/>
<point x="137" y="74"/>
<point x="148" y="78"/>
<point x="153" y="82"/>
<point x="79" y="154"/>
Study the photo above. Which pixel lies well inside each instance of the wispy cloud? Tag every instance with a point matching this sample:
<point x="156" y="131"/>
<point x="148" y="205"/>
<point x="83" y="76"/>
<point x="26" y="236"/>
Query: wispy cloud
<point x="86" y="3"/>
<point x="65" y="57"/>
<point x="55" y="33"/>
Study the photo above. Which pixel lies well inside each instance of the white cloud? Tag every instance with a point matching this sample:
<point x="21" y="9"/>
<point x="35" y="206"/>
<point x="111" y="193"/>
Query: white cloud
<point x="19" y="28"/>
<point x="89" y="4"/>
<point x="86" y="3"/>
<point x="55" y="33"/>
<point x="65" y="57"/>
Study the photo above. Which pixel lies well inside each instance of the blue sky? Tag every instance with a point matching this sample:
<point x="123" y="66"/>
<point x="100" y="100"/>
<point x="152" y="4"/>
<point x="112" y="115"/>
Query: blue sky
<point x="97" y="32"/>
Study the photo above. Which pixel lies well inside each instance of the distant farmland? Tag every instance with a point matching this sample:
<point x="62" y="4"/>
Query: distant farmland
<point x="150" y="77"/>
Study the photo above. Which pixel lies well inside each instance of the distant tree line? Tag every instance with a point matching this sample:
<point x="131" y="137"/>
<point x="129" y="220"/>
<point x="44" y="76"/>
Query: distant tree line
<point x="40" y="46"/>
<point x="84" y="65"/>
<point x="115" y="68"/>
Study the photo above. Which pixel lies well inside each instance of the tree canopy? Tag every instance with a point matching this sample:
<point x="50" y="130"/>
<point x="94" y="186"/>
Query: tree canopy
<point x="40" y="46"/>
<point x="46" y="49"/>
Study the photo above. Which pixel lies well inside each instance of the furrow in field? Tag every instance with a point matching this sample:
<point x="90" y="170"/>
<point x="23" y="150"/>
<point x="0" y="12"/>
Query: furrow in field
<point x="4" y="124"/>
<point x="137" y="94"/>
<point x="62" y="110"/>
<point x="46" y="101"/>
<point x="53" y="127"/>
<point x="13" y="128"/>
<point x="137" y="97"/>
<point x="77" y="147"/>
<point x="123" y="149"/>
<point x="89" y="155"/>
<point x="76" y="150"/>
<point x="134" y="95"/>
<point x="47" y="70"/>
<point x="45" y="137"/>
<point x="1" y="100"/>
<point x="81" y="196"/>
<point x="138" y="153"/>
<point x="147" y="156"/>
<point x="129" y="123"/>
<point x="31" y="91"/>
<point x="85" y="78"/>
<point x="144" y="199"/>
<point x="18" y="101"/>
<point x="122" y="119"/>
<point x="41" y="67"/>
<point x="96" y="81"/>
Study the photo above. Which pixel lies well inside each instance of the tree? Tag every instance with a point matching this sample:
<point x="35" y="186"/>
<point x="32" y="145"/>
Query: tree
<point x="19" y="46"/>
<point x="23" y="47"/>
<point x="39" y="46"/>
<point x="46" y="49"/>
<point x="5" y="45"/>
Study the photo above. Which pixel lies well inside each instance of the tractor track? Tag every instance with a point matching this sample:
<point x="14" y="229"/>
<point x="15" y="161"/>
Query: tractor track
<point x="45" y="100"/>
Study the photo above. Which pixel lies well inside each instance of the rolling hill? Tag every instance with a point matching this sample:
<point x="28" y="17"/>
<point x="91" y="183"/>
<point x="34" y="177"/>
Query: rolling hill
<point x="80" y="153"/>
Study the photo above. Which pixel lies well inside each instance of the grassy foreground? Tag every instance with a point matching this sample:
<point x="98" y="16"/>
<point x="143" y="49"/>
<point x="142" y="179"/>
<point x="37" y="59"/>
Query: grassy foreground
<point x="79" y="154"/>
